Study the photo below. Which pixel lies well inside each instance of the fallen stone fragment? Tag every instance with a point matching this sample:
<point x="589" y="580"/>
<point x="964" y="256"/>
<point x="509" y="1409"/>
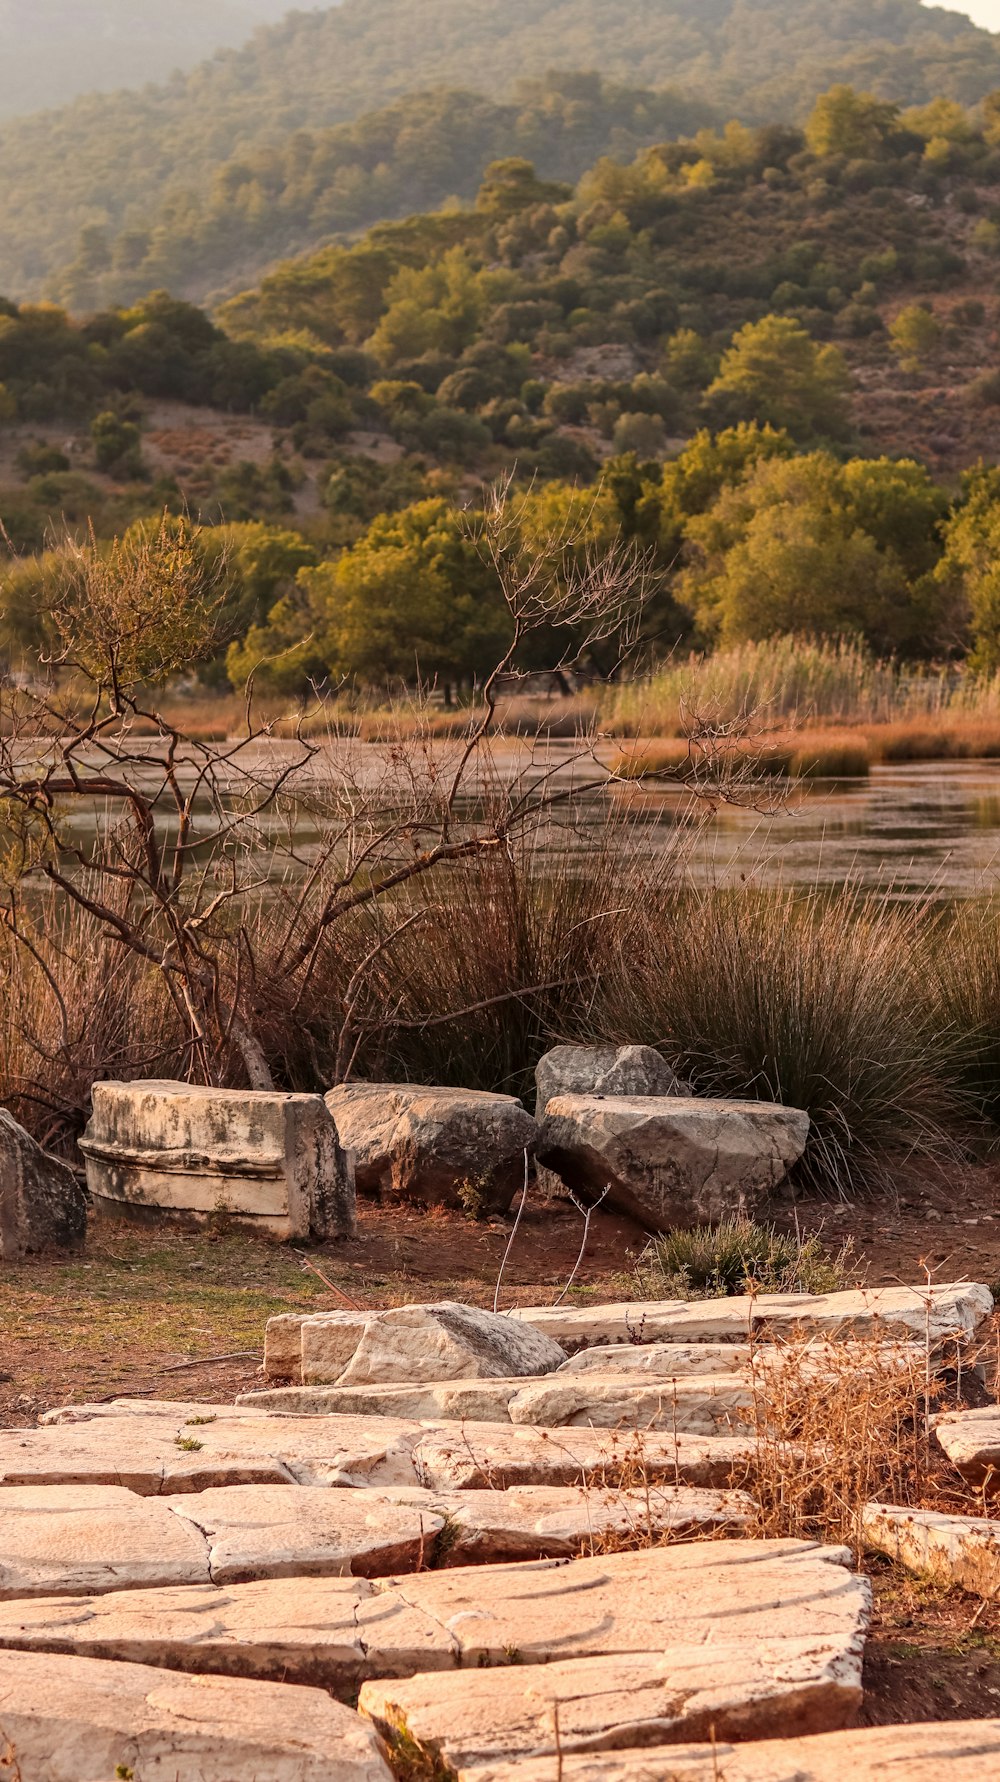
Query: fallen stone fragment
<point x="971" y="1440"/>
<point x="661" y="1361"/>
<point x="642" y="1602"/>
<point x="65" y="1540"/>
<point x="335" y="1631"/>
<point x="962" y="1550"/>
<point x="494" y="1458"/>
<point x="272" y="1161"/>
<point x="77" y="1720"/>
<point x="603" y="1070"/>
<point x="416" y="1343"/>
<point x="481" y="1401"/>
<point x="744" y="1690"/>
<point x="42" y="1203"/>
<point x="672" y="1160"/>
<point x="944" y="1311"/>
<point x="950" y="1751"/>
<point x="441" y="1146"/>
<point x="262" y="1531"/>
<point x="185" y="1413"/>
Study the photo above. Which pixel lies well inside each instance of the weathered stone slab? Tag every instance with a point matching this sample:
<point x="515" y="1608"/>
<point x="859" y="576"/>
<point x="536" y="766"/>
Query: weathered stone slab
<point x="42" y="1203"/>
<point x="642" y="1602"/>
<point x="184" y="1413"/>
<point x="413" y="1343"/>
<point x="272" y="1161"/>
<point x="950" y="1751"/>
<point x="482" y="1401"/>
<point x="971" y="1440"/>
<point x="484" y="1457"/>
<point x="660" y="1361"/>
<point x="603" y="1070"/>
<point x="938" y="1313"/>
<point x="672" y="1160"/>
<point x="77" y="1720"/>
<point x="65" y="1540"/>
<point x="767" y="1686"/>
<point x="437" y="1145"/>
<point x="962" y="1550"/>
<point x="264" y="1531"/>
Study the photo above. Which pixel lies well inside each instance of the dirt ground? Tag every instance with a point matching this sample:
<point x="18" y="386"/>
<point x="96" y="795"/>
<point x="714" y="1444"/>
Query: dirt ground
<point x="181" y="1315"/>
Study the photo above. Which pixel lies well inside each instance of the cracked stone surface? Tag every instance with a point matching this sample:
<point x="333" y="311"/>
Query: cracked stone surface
<point x="432" y="1143"/>
<point x="971" y="1440"/>
<point x="963" y="1550"/>
<point x="404" y="1345"/>
<point x="492" y="1457"/>
<point x="264" y="1531"/>
<point x="950" y="1751"/>
<point x="642" y="1602"/>
<point x="77" y="1720"/>
<point x="671" y="1160"/>
<point x="603" y="1070"/>
<point x="72" y="1539"/>
<point x="943" y="1311"/>
<point x="766" y="1687"/>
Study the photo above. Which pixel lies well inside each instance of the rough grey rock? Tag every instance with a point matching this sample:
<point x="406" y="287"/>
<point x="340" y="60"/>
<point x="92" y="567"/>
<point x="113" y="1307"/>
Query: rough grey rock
<point x="67" y="1719"/>
<point x="603" y="1070"/>
<point x="272" y="1161"/>
<point x="672" y="1160"/>
<point x="406" y="1345"/>
<point x="41" y="1201"/>
<point x="440" y="1146"/>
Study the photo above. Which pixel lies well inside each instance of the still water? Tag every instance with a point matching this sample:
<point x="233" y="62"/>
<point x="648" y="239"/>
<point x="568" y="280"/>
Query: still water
<point x="914" y="829"/>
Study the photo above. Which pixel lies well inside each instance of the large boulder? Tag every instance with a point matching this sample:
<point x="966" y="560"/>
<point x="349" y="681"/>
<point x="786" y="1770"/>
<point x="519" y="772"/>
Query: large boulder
<point x="672" y="1160"/>
<point x="42" y="1203"/>
<point x="603" y="1070"/>
<point x="454" y="1147"/>
<point x="270" y="1160"/>
<point x="410" y="1344"/>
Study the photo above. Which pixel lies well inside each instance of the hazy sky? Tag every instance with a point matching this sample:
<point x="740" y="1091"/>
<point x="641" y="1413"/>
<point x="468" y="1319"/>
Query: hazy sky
<point x="985" y="12"/>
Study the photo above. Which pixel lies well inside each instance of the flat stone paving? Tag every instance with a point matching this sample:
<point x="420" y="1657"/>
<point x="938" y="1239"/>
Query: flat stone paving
<point x="77" y="1720"/>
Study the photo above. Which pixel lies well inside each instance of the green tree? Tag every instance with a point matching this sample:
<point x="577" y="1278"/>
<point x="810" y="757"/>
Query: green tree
<point x="775" y="373"/>
<point x="969" y="571"/>
<point x="857" y="125"/>
<point x="915" y="334"/>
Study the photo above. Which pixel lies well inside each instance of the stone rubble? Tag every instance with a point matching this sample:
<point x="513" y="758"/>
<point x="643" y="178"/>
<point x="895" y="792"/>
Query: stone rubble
<point x="438" y="1146"/>
<point x="671" y="1160"/>
<point x="70" y="1719"/>
<point x="603" y="1070"/>
<point x="405" y="1345"/>
<point x="272" y="1161"/>
<point x="971" y="1440"/>
<point x="42" y="1203"/>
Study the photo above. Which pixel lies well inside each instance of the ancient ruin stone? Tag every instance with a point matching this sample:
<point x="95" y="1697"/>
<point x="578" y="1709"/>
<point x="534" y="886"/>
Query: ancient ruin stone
<point x="603" y="1070"/>
<point x="79" y="1720"/>
<point x="410" y="1344"/>
<point x="952" y="1751"/>
<point x="939" y="1313"/>
<point x="68" y="1540"/>
<point x="41" y="1201"/>
<point x="971" y="1440"/>
<point x="671" y="1160"/>
<point x="272" y="1161"/>
<point x="956" y="1550"/>
<point x="452" y="1147"/>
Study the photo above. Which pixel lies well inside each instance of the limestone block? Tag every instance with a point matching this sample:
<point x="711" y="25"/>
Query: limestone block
<point x="950" y="1751"/>
<point x="947" y="1310"/>
<point x="273" y="1161"/>
<point x="64" y="1540"/>
<point x="443" y="1146"/>
<point x="962" y="1550"/>
<point x="603" y="1070"/>
<point x="765" y="1687"/>
<point x="659" y="1361"/>
<point x="709" y="1404"/>
<point x="490" y="1457"/>
<point x="642" y="1602"/>
<point x="422" y="1342"/>
<point x="672" y="1160"/>
<point x="265" y="1531"/>
<point x="971" y="1440"/>
<point x="42" y="1203"/>
<point x="77" y="1720"/>
<point x="191" y="1412"/>
<point x="482" y="1401"/>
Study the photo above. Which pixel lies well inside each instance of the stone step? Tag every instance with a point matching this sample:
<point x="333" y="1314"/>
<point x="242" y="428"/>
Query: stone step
<point x="962" y="1550"/>
<point x="153" y="1454"/>
<point x="67" y="1719"/>
<point x="701" y="1405"/>
<point x="971" y="1440"/>
<point x="942" y="1312"/>
<point x="765" y="1688"/>
<point x="67" y="1540"/>
<point x="949" y="1751"/>
<point x="339" y="1632"/>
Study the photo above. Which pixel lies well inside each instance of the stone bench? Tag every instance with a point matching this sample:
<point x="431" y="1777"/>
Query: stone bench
<point x="272" y="1161"/>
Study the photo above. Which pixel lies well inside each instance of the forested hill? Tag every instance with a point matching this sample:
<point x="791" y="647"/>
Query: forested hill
<point x="53" y="50"/>
<point x="132" y="164"/>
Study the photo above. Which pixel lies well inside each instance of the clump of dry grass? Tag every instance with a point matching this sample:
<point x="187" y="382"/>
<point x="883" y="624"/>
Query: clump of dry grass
<point x="736" y="1256"/>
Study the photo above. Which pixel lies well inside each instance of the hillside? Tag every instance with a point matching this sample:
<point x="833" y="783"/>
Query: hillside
<point x="133" y="164"/>
<point x="53" y="50"/>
